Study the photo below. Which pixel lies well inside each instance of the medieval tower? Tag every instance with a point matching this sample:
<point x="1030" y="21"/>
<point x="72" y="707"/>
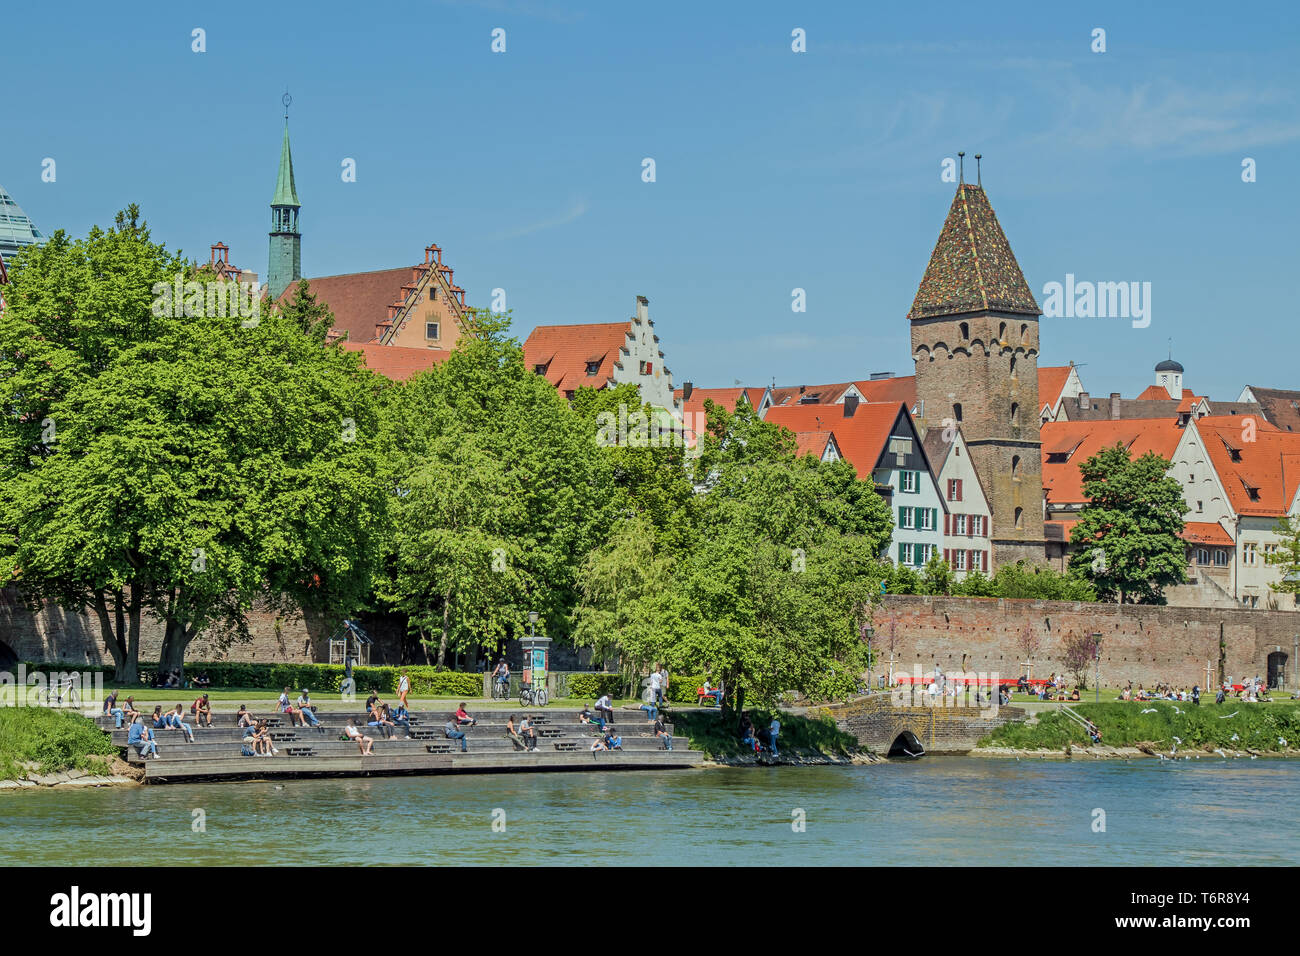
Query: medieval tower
<point x="975" y="343"/>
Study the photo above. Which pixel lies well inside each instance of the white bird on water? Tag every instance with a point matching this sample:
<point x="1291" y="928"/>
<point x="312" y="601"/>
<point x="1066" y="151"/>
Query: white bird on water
<point x="1220" y="752"/>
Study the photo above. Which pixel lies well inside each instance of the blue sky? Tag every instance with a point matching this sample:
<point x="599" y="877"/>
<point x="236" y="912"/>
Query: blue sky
<point x="775" y="170"/>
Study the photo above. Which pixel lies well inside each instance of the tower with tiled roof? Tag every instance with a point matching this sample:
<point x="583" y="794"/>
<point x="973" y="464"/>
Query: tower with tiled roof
<point x="16" y="230"/>
<point x="975" y="343"/>
<point x="284" y="266"/>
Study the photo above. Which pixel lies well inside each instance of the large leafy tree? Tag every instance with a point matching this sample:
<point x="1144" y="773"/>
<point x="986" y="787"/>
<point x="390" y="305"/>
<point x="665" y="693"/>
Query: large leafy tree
<point x="193" y="463"/>
<point x="1127" y="539"/>
<point x="497" y="488"/>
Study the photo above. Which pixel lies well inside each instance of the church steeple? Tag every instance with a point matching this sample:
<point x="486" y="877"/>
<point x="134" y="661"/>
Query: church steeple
<point x="285" y="265"/>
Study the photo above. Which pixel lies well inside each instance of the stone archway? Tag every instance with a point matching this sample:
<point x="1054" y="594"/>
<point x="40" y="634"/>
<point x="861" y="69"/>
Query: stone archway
<point x="906" y="745"/>
<point x="8" y="659"/>
<point x="1277" y="669"/>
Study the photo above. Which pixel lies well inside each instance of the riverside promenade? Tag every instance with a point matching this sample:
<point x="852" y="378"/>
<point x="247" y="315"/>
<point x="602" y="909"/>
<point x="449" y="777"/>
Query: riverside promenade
<point x="563" y="743"/>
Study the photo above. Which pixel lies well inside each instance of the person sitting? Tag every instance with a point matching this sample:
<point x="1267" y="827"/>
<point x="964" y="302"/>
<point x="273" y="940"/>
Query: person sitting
<point x="604" y="708"/>
<point x="612" y="740"/>
<point x="202" y="711"/>
<point x="244" y="717"/>
<point x="378" y="719"/>
<point x="158" y="720"/>
<point x="463" y="717"/>
<point x="513" y="734"/>
<point x="585" y="716"/>
<point x="142" y="738"/>
<point x="652" y="711"/>
<point x="306" y="710"/>
<point x="285" y="706"/>
<point x="366" y="744"/>
<point x="174" y="720"/>
<point x="747" y="737"/>
<point x="662" y="732"/>
<point x="400" y="718"/>
<point x="1074" y="694"/>
<point x="1094" y="732"/>
<point x="203" y="681"/>
<point x="263" y="742"/>
<point x="528" y="733"/>
<point x="112" y="710"/>
<point x="451" y="730"/>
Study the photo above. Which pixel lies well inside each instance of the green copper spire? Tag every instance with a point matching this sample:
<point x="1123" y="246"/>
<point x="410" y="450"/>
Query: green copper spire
<point x="284" y="267"/>
<point x="285" y="193"/>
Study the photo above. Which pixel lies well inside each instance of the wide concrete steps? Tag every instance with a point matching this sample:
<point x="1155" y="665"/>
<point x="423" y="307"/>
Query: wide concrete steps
<point x="343" y="765"/>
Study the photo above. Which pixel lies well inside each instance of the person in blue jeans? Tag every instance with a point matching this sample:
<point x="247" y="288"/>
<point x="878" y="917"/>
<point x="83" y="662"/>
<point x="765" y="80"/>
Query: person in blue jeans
<point x="304" y="706"/>
<point x="453" y="732"/>
<point x="141" y="737"/>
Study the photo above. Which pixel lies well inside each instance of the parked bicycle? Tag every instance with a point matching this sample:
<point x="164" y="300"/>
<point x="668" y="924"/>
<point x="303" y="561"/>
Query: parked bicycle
<point x="61" y="694"/>
<point x="528" y="697"/>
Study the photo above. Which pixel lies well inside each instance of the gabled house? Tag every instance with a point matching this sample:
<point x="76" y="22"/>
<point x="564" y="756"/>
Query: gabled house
<point x="883" y="445"/>
<point x="966" y="509"/>
<point x="1056" y="383"/>
<point x="604" y="354"/>
<point x="1279" y="406"/>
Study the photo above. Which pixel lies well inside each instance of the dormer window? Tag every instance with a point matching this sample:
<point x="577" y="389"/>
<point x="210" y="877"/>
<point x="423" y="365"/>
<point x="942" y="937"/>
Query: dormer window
<point x="593" y="368"/>
<point x="540" y="369"/>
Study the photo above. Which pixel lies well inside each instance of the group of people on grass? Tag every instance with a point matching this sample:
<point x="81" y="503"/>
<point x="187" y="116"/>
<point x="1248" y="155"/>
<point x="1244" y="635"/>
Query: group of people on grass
<point x="749" y="737"/>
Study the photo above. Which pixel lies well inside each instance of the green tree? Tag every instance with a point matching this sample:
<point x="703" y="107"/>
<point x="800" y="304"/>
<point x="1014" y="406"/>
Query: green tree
<point x="194" y="463"/>
<point x="1127" y="539"/>
<point x="1287" y="556"/>
<point x="497" y="486"/>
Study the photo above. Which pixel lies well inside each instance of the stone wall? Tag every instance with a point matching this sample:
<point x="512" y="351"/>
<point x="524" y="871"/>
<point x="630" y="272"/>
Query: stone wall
<point x="879" y="723"/>
<point x="1139" y="643"/>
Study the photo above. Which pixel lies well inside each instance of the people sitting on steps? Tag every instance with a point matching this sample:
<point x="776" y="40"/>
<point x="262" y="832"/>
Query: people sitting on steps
<point x="142" y="739"/>
<point x="202" y="711"/>
<point x="451" y="730"/>
<point x="174" y="721"/>
<point x="305" y="709"/>
<point x="463" y="717"/>
<point x="661" y="731"/>
<point x="512" y="733"/>
<point x="604" y="708"/>
<point x="527" y="732"/>
<point x="364" y="743"/>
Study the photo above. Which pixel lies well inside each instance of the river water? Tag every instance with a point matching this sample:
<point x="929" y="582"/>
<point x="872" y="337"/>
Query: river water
<point x="953" y="811"/>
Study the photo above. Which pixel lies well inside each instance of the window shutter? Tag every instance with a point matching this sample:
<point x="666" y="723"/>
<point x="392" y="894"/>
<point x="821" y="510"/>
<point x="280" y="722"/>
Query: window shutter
<point x="985" y="555"/>
<point x="970" y="526"/>
<point x="947" y="555"/>
<point x="958" y="481"/>
<point x="947" y="520"/>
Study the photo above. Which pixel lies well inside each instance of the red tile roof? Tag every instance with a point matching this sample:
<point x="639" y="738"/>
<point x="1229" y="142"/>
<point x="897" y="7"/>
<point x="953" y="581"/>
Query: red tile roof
<point x="1282" y="407"/>
<point x="1264" y="478"/>
<point x="901" y="388"/>
<point x="1062" y="482"/>
<point x="1206" y="532"/>
<point x="861" y="439"/>
<point x="395" y="361"/>
<point x="810" y="394"/>
<point x="566" y="350"/>
<point x="359" y="300"/>
<point x="1158" y="393"/>
<point x="812" y="443"/>
<point x="1051" y="380"/>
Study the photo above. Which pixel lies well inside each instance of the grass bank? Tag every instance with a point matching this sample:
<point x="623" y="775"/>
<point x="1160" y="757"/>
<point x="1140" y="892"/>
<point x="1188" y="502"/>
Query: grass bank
<point x="1230" y="726"/>
<point x="802" y="737"/>
<point x="55" y="740"/>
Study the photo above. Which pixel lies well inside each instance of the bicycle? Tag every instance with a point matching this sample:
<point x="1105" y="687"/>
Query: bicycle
<point x="500" y="689"/>
<point x="70" y="686"/>
<point x="528" y="697"/>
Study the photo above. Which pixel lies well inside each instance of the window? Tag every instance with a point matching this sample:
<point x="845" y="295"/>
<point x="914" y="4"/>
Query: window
<point x="956" y="411"/>
<point x="926" y="518"/>
<point x="959" y="560"/>
<point x="954" y="489"/>
<point x="593" y="368"/>
<point x="1020" y="518"/>
<point x="1202" y="555"/>
<point x="431" y="330"/>
<point x="433" y="293"/>
<point x="1198" y="507"/>
<point x="958" y="524"/>
<point x="922" y="554"/>
<point x="1220" y="557"/>
<point x="965" y="330"/>
<point x="1024" y="330"/>
<point x="540" y="369"/>
<point x="905" y="517"/>
<point x="1247" y="554"/>
<point x="1013" y="365"/>
<point x="1015" y="467"/>
<point x="904" y="553"/>
<point x="1002" y="332"/>
<point x="647" y="368"/>
<point x="1015" y="413"/>
<point x="909" y="481"/>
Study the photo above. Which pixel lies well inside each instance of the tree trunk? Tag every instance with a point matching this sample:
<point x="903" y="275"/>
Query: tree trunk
<point x="172" y="655"/>
<point x="125" y="657"/>
<point x="446" y="621"/>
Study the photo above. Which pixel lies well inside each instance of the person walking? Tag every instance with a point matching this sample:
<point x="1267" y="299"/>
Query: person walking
<point x="403" y="688"/>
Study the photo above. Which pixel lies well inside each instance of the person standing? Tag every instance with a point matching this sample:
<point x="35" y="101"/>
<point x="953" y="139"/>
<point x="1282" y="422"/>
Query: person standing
<point x="403" y="688"/>
<point x="657" y="687"/>
<point x="773" y="731"/>
<point x="1196" y="695"/>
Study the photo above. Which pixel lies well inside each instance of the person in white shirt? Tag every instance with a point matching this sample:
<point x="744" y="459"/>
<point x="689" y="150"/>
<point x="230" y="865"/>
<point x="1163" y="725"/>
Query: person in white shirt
<point x="363" y="742"/>
<point x="604" y="709"/>
<point x="403" y="688"/>
<point x="773" y="731"/>
<point x="657" y="687"/>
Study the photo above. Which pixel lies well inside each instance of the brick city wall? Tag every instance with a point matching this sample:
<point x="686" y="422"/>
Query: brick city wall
<point x="878" y="722"/>
<point x="1139" y="643"/>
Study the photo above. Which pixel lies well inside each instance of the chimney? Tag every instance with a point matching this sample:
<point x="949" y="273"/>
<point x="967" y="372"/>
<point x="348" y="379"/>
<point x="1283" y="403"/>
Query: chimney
<point x="1114" y="405"/>
<point x="877" y="376"/>
<point x="642" y="308"/>
<point x="1084" y="404"/>
<point x="687" y="388"/>
<point x="850" y="405"/>
<point x="801" y="389"/>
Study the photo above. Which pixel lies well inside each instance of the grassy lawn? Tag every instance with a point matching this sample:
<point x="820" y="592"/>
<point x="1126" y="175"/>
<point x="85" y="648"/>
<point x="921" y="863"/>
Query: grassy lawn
<point x="1260" y="727"/>
<point x="56" y="740"/>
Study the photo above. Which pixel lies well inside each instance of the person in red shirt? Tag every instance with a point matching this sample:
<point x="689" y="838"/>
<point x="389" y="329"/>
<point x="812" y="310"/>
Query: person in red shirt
<point x="463" y="717"/>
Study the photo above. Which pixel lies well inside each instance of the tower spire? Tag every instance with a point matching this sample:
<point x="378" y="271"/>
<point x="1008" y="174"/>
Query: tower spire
<point x="285" y="265"/>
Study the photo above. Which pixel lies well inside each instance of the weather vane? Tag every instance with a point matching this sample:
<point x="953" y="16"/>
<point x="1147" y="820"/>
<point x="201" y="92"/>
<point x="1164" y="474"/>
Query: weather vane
<point x="286" y="100"/>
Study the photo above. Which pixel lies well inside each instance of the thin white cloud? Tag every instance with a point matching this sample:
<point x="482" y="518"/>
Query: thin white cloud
<point x="575" y="212"/>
